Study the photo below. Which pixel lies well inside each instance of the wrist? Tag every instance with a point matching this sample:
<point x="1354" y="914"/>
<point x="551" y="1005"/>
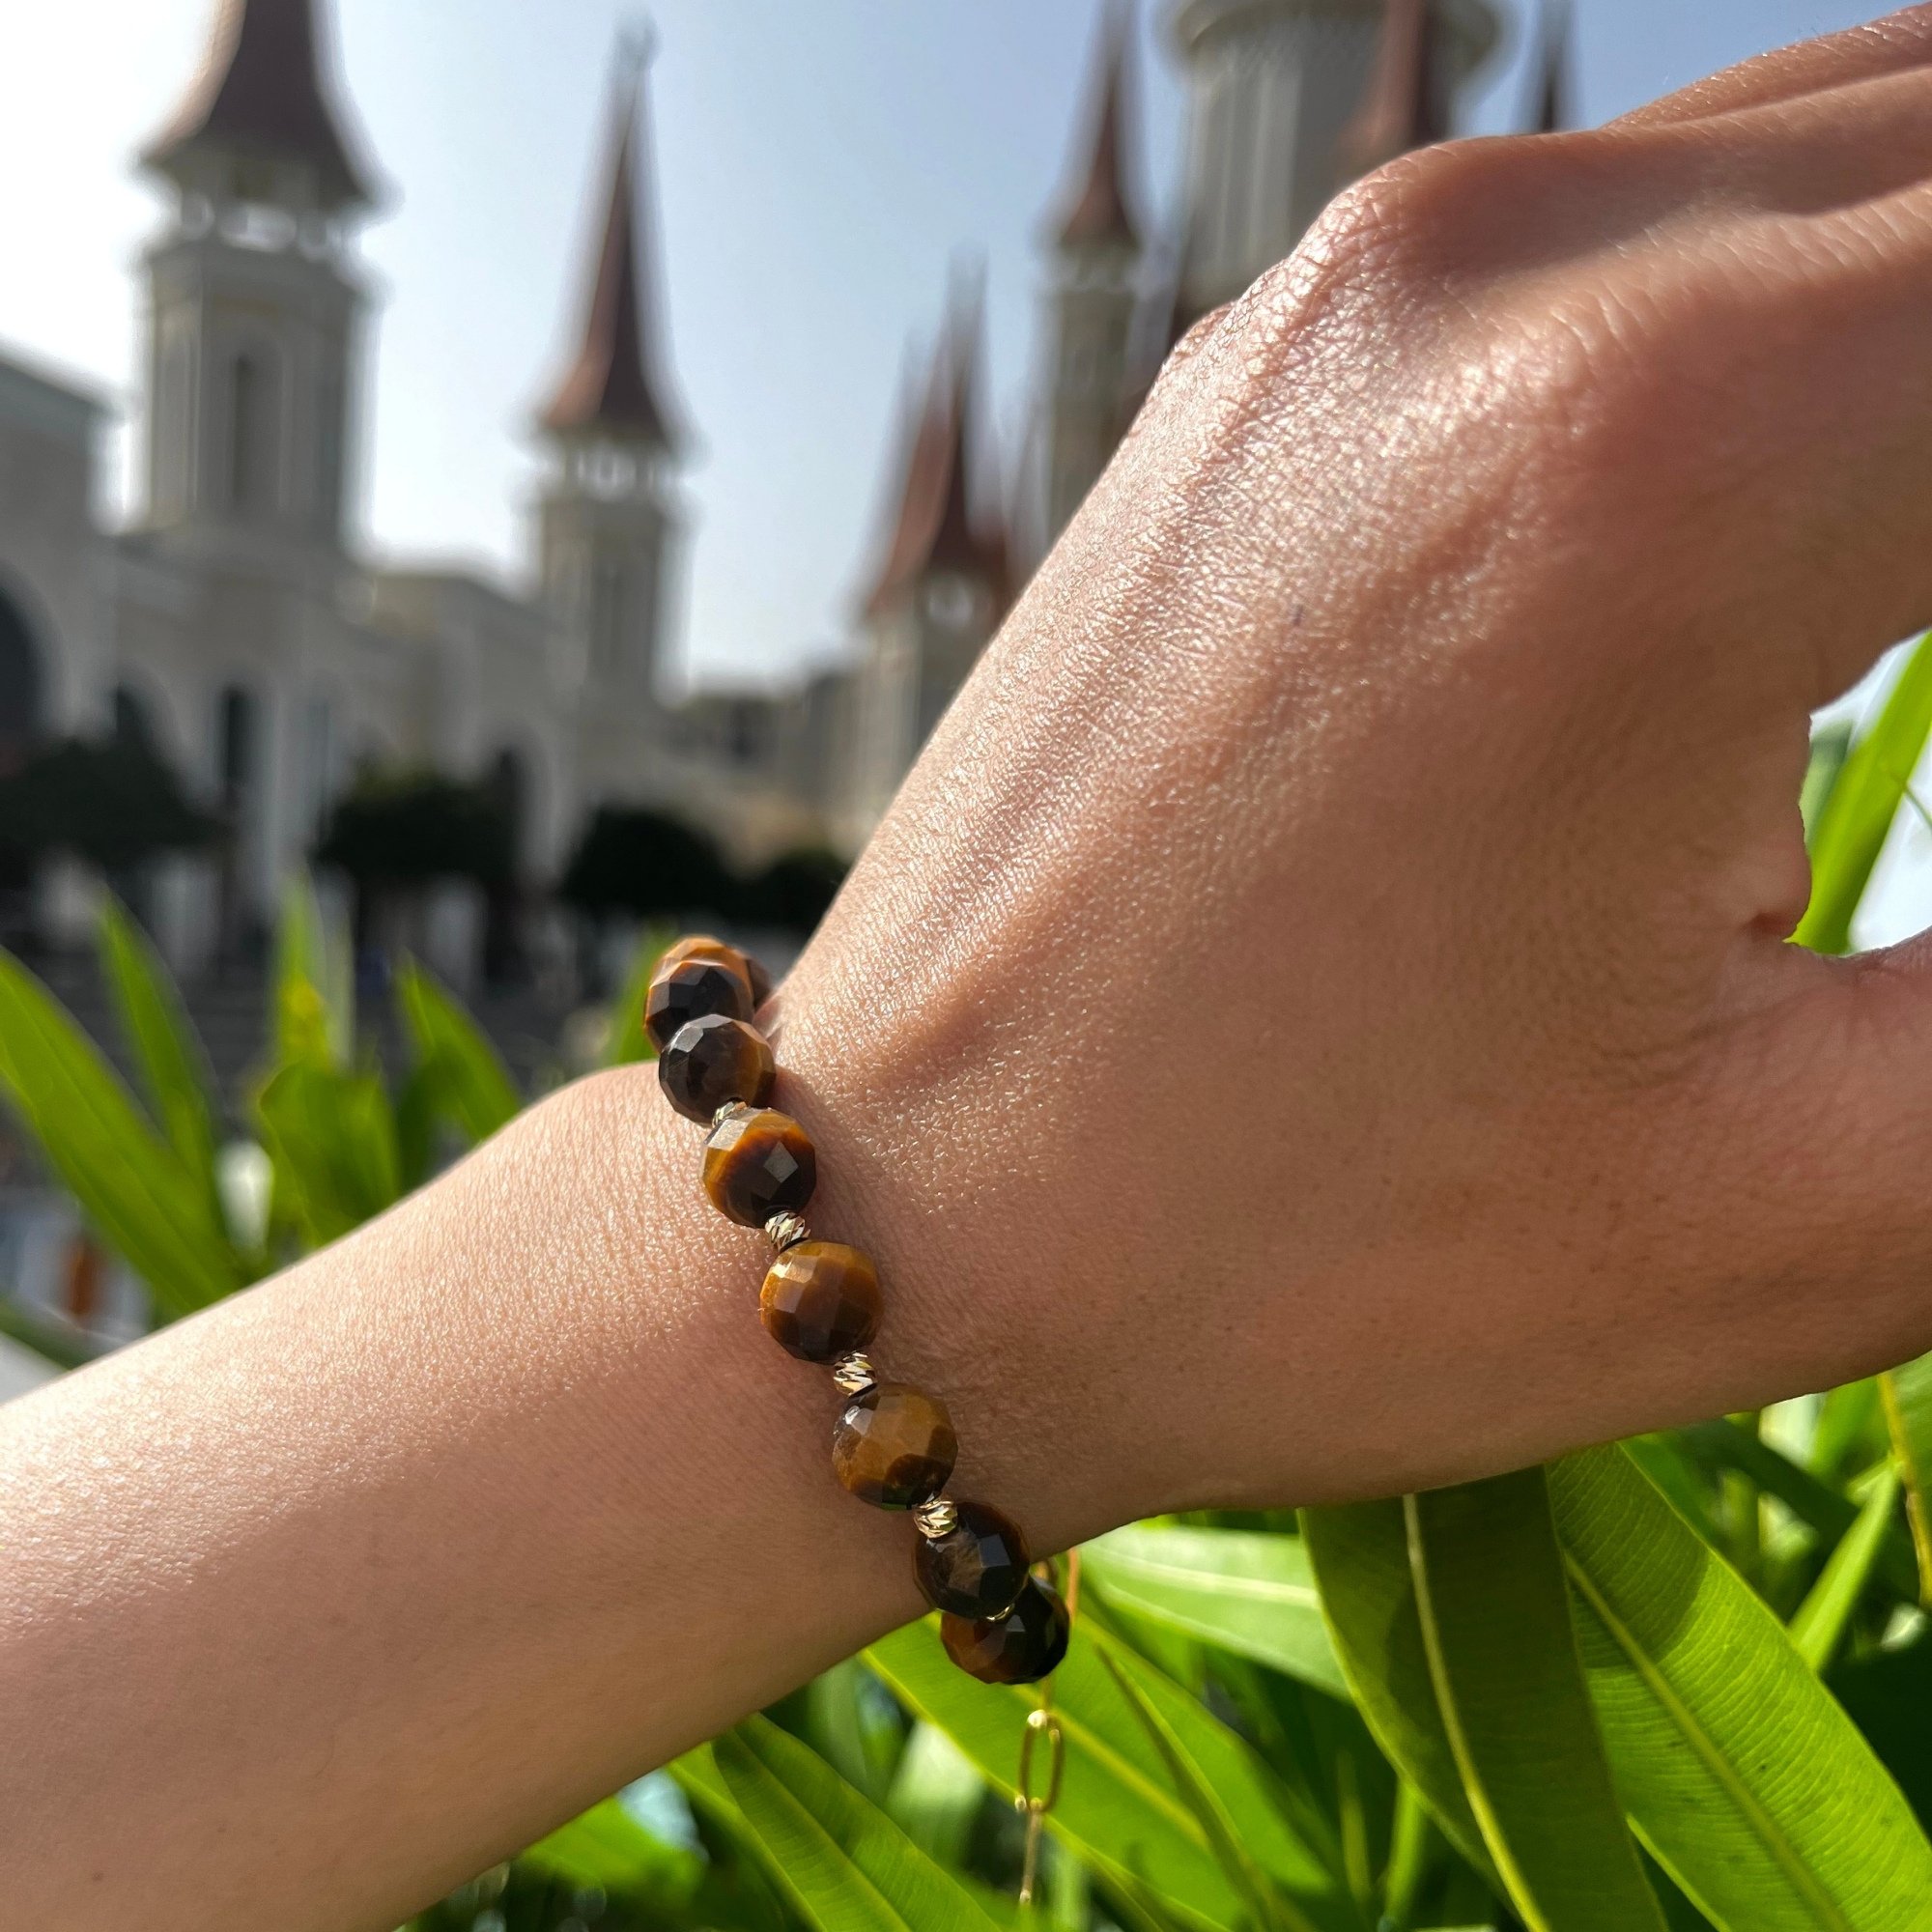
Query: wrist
<point x="922" y="1163"/>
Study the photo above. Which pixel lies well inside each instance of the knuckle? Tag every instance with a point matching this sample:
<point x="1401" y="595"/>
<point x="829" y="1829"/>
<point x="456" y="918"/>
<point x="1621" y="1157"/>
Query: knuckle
<point x="1387" y="246"/>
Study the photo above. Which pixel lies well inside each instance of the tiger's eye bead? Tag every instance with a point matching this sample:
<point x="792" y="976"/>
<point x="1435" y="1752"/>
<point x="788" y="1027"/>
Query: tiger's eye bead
<point x="1018" y="1648"/>
<point x="977" y="1569"/>
<point x="820" y="1301"/>
<point x="701" y="945"/>
<point x="758" y="1161"/>
<point x="894" y="1446"/>
<point x="690" y="990"/>
<point x="714" y="1059"/>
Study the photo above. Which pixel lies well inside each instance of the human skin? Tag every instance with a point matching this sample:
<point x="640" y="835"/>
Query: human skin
<point x="1316" y="1023"/>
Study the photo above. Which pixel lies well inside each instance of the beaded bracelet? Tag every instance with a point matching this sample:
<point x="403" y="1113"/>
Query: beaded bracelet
<point x="893" y="1445"/>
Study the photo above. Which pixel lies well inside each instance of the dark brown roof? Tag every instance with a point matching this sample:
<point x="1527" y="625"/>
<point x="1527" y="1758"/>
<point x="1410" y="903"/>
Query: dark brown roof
<point x="609" y="384"/>
<point x="1403" y="106"/>
<point x="937" y="526"/>
<point x="1098" y="211"/>
<point x="265" y="88"/>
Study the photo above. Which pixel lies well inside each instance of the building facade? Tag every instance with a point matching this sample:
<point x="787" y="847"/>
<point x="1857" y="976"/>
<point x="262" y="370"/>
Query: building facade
<point x="235" y="624"/>
<point x="232" y="621"/>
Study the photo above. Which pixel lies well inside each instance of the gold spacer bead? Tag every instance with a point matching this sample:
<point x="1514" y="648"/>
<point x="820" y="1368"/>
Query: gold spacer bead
<point x="787" y="1230"/>
<point x="939" y="1516"/>
<point x="854" y="1372"/>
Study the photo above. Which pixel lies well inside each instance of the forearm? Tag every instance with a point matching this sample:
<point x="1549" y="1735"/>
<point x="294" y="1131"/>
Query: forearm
<point x="440" y="1536"/>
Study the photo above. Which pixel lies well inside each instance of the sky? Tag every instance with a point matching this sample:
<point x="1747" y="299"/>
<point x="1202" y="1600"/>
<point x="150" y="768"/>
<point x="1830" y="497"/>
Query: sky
<point x="818" y="167"/>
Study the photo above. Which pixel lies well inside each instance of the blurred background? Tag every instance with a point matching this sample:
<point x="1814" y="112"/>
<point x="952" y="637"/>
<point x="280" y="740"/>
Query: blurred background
<point x="538" y="472"/>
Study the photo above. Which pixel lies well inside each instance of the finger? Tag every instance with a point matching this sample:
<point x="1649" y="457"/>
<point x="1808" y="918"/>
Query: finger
<point x="1815" y="152"/>
<point x="1821" y="1200"/>
<point x="1897" y="43"/>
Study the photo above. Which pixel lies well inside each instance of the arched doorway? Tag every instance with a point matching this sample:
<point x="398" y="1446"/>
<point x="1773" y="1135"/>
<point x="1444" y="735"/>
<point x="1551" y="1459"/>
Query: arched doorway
<point x="133" y="721"/>
<point x="236" y="768"/>
<point x="506" y="784"/>
<point x="22" y="700"/>
<point x="22" y="695"/>
<point x="131" y="727"/>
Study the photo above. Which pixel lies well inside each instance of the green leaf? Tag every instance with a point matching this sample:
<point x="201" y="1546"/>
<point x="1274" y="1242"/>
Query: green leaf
<point x="1682" y="1478"/>
<point x="54" y="1341"/>
<point x="1906" y="1392"/>
<point x="1828" y="745"/>
<point x="1360" y="1557"/>
<point x="1118" y="1810"/>
<point x="1887" y="1693"/>
<point x="625" y="1039"/>
<point x="1248" y="1592"/>
<point x="935" y="1794"/>
<point x="836" y="1855"/>
<point x="854" y="1727"/>
<point x="1856" y="815"/>
<point x="332" y="1137"/>
<point x="606" y="1848"/>
<point x="1720" y="1444"/>
<point x="1268" y="1909"/>
<point x="313" y="1013"/>
<point x="1496" y="1630"/>
<point x="470" y="1084"/>
<point x="132" y="1186"/>
<point x="1743" y="1777"/>
<point x="1820" y="1623"/>
<point x="174" y="1070"/>
<point x="1850" y="1432"/>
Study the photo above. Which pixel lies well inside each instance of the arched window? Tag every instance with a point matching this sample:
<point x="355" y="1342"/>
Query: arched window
<point x="328" y="451"/>
<point x="234" y="751"/>
<point x="319" y="756"/>
<point x="19" y="686"/>
<point x="251" y="431"/>
<point x="133" y="724"/>
<point x="606" y="617"/>
<point x="174" y="425"/>
<point x="507" y="780"/>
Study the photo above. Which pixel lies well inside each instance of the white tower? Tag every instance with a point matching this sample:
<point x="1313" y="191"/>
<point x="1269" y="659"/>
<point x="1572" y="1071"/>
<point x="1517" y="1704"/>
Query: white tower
<point x="256" y="307"/>
<point x="941" y="585"/>
<point x="608" y="517"/>
<point x="1272" y="88"/>
<point x="256" y="317"/>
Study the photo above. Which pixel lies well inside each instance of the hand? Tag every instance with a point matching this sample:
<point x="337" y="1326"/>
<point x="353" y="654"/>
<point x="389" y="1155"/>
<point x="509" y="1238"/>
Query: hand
<point x="1318" y="1021"/>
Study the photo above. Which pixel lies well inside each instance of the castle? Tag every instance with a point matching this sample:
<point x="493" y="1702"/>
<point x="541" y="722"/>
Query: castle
<point x="233" y="624"/>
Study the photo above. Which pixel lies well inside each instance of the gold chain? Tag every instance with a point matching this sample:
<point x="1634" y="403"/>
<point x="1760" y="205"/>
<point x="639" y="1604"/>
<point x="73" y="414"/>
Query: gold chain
<point x="1032" y="1803"/>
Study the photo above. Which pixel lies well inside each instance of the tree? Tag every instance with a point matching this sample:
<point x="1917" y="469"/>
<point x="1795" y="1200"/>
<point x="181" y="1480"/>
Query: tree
<point x="793" y="891"/>
<point x="632" y="860"/>
<point x="114" y="800"/>
<point x="400" y="830"/>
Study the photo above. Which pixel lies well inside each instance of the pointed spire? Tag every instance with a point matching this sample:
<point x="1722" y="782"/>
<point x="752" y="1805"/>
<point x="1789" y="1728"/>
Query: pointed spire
<point x="611" y="386"/>
<point x="1553" y="96"/>
<point x="1098" y="212"/>
<point x="1403" y="105"/>
<point x="265" y="89"/>
<point x="937" y="524"/>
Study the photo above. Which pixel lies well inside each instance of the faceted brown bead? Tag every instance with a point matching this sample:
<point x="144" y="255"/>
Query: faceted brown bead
<point x="1018" y="1648"/>
<point x="894" y="1446"/>
<point x="701" y="945"/>
<point x="821" y="1300"/>
<point x="691" y="989"/>
<point x="978" y="1567"/>
<point x="758" y="1161"/>
<point x="714" y="1059"/>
